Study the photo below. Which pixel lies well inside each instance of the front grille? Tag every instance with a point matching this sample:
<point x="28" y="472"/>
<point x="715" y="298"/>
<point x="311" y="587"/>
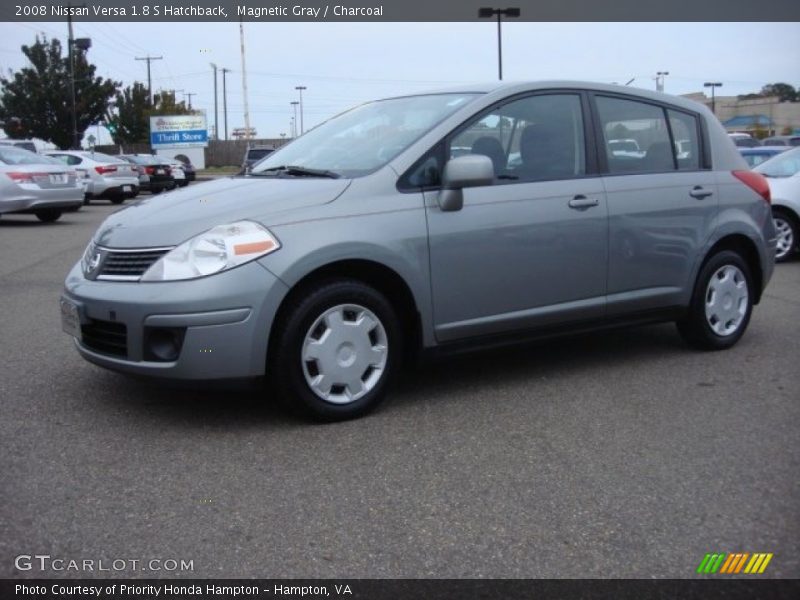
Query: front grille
<point x="105" y="337"/>
<point x="129" y="264"/>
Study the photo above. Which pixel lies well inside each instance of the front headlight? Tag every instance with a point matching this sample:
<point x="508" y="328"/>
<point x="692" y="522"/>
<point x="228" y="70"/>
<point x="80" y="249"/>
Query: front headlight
<point x="218" y="249"/>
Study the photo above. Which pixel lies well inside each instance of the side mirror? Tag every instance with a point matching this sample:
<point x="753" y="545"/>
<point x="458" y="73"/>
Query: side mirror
<point x="470" y="170"/>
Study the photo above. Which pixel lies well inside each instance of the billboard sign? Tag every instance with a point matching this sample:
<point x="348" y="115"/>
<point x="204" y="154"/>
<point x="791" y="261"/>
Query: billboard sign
<point x="181" y="131"/>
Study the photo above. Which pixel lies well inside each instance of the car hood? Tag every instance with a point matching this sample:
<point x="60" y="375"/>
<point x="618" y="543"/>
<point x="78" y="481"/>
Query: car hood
<point x="172" y="218"/>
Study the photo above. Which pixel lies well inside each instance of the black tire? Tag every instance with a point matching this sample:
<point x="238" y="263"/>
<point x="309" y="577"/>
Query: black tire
<point x="117" y="199"/>
<point x="695" y="327"/>
<point x="184" y="184"/>
<point x="287" y="370"/>
<point x="48" y="215"/>
<point x="155" y="191"/>
<point x="788" y="229"/>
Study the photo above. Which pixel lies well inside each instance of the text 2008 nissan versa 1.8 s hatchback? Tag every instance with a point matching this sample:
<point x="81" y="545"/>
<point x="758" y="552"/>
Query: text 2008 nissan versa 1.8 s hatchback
<point x="431" y="221"/>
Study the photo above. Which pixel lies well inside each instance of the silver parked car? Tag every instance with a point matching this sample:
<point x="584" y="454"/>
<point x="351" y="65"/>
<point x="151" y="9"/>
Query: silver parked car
<point x="366" y="240"/>
<point x="110" y="178"/>
<point x="34" y="184"/>
<point x="783" y="173"/>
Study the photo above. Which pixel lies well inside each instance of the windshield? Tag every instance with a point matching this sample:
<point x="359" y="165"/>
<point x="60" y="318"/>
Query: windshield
<point x="786" y="164"/>
<point x="365" y="138"/>
<point x="100" y="157"/>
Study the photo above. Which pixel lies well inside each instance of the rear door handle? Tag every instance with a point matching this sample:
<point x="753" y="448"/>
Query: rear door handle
<point x="581" y="202"/>
<point x="699" y="192"/>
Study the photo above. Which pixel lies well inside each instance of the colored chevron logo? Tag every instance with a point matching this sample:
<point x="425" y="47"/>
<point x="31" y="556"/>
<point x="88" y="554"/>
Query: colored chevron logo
<point x="733" y="563"/>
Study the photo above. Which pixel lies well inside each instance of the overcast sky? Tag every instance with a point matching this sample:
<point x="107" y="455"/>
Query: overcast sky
<point x="343" y="64"/>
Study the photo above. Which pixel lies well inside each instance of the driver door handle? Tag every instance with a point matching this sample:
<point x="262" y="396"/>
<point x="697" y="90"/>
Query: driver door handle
<point x="699" y="192"/>
<point x="581" y="202"/>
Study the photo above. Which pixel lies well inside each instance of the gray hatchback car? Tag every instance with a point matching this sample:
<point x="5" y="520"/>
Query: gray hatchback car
<point x="377" y="235"/>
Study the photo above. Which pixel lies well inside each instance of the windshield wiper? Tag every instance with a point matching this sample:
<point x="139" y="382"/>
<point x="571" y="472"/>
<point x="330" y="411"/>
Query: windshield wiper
<point x="298" y="171"/>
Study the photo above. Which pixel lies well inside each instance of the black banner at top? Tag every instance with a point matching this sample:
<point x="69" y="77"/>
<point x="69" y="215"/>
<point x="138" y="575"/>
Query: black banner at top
<point x="399" y="589"/>
<point x="396" y="10"/>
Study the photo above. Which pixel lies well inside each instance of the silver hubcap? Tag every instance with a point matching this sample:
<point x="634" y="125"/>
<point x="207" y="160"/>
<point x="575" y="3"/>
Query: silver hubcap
<point x="785" y="237"/>
<point x="344" y="353"/>
<point x="726" y="300"/>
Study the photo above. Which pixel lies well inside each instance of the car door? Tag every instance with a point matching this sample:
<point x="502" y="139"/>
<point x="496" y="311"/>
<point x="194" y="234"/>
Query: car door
<point x="662" y="203"/>
<point x="531" y="249"/>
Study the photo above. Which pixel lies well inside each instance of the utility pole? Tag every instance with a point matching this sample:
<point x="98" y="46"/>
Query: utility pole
<point x="149" y="59"/>
<point x="70" y="43"/>
<point x="300" y="88"/>
<point x="225" y="100"/>
<point x="189" y="96"/>
<point x="244" y="85"/>
<point x="216" y="110"/>
<point x="83" y="44"/>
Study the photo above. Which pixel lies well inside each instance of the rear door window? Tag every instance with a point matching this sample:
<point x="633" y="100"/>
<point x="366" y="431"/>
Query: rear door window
<point x="623" y="121"/>
<point x="686" y="140"/>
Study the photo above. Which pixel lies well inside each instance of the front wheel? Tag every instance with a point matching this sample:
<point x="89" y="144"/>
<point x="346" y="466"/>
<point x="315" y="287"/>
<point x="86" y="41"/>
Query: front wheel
<point x="721" y="305"/>
<point x="335" y="354"/>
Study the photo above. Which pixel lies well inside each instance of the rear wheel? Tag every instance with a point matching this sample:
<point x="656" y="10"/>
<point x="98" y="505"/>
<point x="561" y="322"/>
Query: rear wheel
<point x="721" y="303"/>
<point x="337" y="351"/>
<point x="787" y="230"/>
<point x="48" y="215"/>
<point x="117" y="199"/>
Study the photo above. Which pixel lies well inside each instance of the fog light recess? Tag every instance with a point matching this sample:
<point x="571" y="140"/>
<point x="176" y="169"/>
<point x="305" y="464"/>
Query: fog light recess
<point x="163" y="344"/>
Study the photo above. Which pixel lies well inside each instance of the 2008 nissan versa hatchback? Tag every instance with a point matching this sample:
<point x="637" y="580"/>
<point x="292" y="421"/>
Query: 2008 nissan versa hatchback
<point x="431" y="221"/>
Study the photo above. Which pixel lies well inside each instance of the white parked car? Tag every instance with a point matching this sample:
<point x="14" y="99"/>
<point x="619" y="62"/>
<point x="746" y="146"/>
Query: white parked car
<point x="178" y="174"/>
<point x="109" y="177"/>
<point x="34" y="184"/>
<point x="783" y="173"/>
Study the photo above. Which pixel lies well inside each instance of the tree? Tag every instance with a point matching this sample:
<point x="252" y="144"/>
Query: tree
<point x="165" y="104"/>
<point x="130" y="123"/>
<point x="784" y="92"/>
<point x="39" y="95"/>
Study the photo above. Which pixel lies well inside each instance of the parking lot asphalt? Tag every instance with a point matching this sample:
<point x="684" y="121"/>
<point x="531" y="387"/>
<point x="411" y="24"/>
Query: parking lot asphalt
<point x="617" y="455"/>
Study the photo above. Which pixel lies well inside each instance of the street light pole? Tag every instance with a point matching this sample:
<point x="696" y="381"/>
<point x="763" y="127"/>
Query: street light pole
<point x="300" y="88"/>
<point x="488" y="13"/>
<point x="216" y="110"/>
<point x="225" y="100"/>
<point x="713" y="85"/>
<point x="294" y="103"/>
<point x="660" y="80"/>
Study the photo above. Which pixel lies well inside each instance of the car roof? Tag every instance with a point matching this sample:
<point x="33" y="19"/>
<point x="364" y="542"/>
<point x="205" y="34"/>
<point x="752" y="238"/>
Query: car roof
<point x="756" y="149"/>
<point x="508" y="88"/>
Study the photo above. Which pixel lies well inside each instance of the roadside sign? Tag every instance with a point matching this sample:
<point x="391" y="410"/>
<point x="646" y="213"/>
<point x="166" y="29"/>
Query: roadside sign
<point x="181" y="131"/>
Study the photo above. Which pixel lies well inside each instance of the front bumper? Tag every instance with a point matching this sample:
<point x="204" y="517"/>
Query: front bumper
<point x="226" y="320"/>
